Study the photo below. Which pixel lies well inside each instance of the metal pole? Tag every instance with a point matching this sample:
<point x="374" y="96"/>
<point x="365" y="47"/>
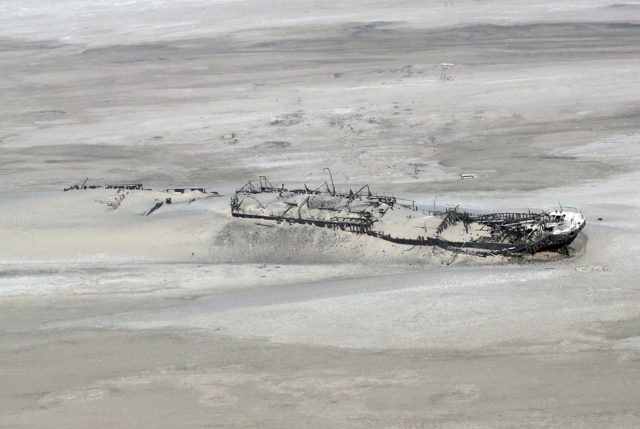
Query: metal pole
<point x="331" y="177"/>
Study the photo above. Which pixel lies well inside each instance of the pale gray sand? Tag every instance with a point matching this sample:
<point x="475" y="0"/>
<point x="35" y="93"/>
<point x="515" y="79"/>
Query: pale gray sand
<point x="189" y="318"/>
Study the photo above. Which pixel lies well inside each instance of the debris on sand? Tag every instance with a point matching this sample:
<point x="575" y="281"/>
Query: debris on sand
<point x="187" y="189"/>
<point x="118" y="186"/>
<point x="116" y="200"/>
<point x="154" y="208"/>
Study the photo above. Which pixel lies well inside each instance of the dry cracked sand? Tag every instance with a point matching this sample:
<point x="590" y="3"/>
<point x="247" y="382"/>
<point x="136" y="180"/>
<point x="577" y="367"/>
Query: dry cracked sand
<point x="189" y="318"/>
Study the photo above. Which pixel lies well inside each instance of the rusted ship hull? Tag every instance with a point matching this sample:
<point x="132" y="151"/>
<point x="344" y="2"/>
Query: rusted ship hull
<point x="398" y="221"/>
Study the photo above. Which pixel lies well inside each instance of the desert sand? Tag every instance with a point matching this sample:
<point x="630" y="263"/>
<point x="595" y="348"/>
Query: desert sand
<point x="191" y="318"/>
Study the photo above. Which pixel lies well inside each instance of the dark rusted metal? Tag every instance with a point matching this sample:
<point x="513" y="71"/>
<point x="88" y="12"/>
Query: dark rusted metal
<point x="509" y="233"/>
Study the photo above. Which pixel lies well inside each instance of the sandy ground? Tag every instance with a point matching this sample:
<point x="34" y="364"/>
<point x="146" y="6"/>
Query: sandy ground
<point x="190" y="318"/>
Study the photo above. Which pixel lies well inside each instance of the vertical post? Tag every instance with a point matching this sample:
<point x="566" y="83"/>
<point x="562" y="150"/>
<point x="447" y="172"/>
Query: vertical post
<point x="331" y="177"/>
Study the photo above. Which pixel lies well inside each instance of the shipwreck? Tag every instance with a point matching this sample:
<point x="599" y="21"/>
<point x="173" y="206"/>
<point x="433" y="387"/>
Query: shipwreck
<point x="401" y="221"/>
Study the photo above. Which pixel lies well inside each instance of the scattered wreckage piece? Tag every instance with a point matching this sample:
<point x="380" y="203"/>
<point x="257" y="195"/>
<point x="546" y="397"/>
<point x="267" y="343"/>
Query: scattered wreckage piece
<point x="116" y="200"/>
<point x="189" y="189"/>
<point x="139" y="187"/>
<point x="184" y="194"/>
<point x="117" y="186"/>
<point x="382" y="216"/>
<point x="155" y="207"/>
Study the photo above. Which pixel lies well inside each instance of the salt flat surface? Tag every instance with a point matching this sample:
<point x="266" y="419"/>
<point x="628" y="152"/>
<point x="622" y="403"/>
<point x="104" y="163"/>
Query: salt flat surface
<point x="191" y="318"/>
